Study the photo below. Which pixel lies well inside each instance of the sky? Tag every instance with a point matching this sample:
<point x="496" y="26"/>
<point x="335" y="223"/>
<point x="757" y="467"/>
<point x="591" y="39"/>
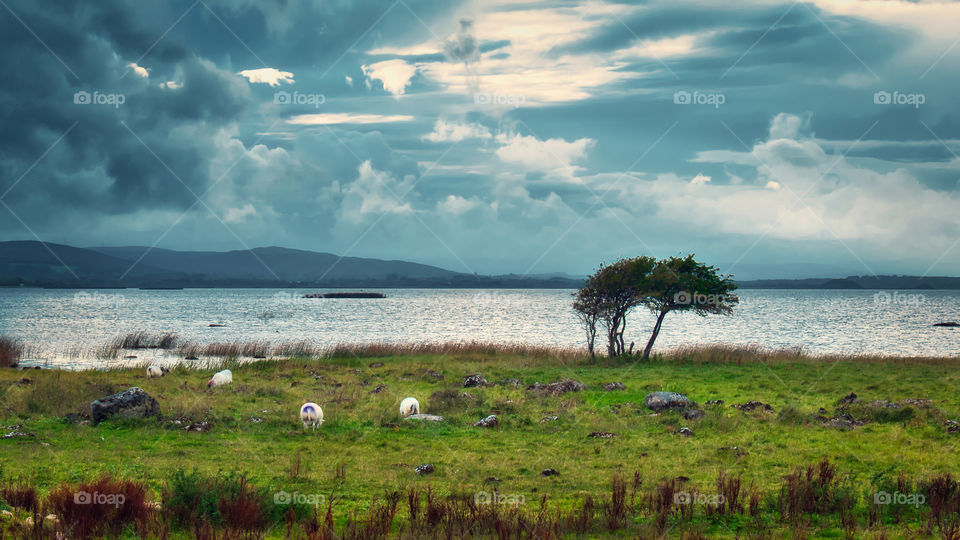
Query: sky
<point x="771" y="139"/>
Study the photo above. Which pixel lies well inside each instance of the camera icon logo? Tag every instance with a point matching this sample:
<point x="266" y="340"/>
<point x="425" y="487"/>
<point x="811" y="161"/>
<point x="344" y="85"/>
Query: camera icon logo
<point x="481" y="498"/>
<point x="882" y="497"/>
<point x="81" y="98"/>
<point x="881" y="98"/>
<point x="682" y="297"/>
<point x="681" y="497"/>
<point x="681" y="97"/>
<point x="281" y="98"/>
<point x="82" y="497"/>
<point x="282" y="497"/>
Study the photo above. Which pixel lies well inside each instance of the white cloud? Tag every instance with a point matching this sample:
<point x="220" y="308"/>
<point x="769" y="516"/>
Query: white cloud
<point x="271" y="76"/>
<point x="171" y="85"/>
<point x="773" y="184"/>
<point x="394" y="74"/>
<point x="700" y="180"/>
<point x="141" y="72"/>
<point x="239" y="215"/>
<point x="552" y="155"/>
<point x="444" y="131"/>
<point x="349" y="80"/>
<point x="455" y="204"/>
<point x="373" y="192"/>
<point x="329" y="119"/>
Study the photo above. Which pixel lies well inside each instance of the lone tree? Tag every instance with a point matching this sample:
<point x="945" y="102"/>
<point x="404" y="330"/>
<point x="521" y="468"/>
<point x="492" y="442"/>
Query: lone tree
<point x="674" y="284"/>
<point x="609" y="295"/>
<point x="683" y="284"/>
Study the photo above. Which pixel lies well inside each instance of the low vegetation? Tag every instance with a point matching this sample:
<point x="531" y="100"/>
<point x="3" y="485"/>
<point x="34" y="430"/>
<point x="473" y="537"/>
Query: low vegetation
<point x="235" y="462"/>
<point x="10" y="351"/>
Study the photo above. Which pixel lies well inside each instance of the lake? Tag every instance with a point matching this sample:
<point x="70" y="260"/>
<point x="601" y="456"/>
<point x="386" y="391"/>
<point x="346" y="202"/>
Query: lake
<point x="63" y="327"/>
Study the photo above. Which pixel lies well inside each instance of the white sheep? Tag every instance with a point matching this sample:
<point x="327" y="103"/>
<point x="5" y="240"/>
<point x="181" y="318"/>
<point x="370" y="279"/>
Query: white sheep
<point x="311" y="415"/>
<point x="221" y="378"/>
<point x="155" y="371"/>
<point x="409" y="406"/>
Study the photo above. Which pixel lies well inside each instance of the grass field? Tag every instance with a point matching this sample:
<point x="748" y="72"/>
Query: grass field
<point x="364" y="452"/>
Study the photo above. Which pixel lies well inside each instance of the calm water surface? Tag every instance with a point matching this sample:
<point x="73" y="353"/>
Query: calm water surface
<point x="63" y="327"/>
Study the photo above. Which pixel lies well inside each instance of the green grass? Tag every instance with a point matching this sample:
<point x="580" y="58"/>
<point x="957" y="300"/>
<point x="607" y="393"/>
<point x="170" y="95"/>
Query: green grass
<point x="364" y="450"/>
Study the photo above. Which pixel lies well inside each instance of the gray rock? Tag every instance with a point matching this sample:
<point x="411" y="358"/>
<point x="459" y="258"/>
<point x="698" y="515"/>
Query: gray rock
<point x="661" y="401"/>
<point x="557" y="388"/>
<point x="549" y="418"/>
<point x="549" y="472"/>
<point x="426" y="468"/>
<point x="601" y="435"/>
<point x="131" y="403"/>
<point x="424" y="417"/>
<point x="472" y="381"/>
<point x="614" y="386"/>
<point x="753" y="405"/>
<point x="693" y="414"/>
<point x="848" y="399"/>
<point x="686" y="432"/>
<point x="489" y="421"/>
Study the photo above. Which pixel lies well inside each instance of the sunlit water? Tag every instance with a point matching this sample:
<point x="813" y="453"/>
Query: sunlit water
<point x="64" y="327"/>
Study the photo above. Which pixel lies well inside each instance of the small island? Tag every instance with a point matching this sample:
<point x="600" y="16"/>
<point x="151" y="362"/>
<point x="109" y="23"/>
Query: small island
<point x="346" y="295"/>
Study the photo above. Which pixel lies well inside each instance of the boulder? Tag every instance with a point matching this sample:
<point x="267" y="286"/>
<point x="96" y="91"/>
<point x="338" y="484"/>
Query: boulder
<point x="424" y="417"/>
<point x="661" y="401"/>
<point x="557" y="388"/>
<point x="131" y="403"/>
<point x="489" y="421"/>
<point x="472" y="381"/>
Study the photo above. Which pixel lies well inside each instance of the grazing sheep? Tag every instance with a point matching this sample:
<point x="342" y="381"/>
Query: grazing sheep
<point x="155" y="371"/>
<point x="409" y="406"/>
<point x="221" y="378"/>
<point x="311" y="415"/>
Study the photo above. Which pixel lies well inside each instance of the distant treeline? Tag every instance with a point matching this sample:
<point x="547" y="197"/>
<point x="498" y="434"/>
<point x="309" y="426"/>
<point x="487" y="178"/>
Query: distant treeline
<point x="462" y="281"/>
<point x="857" y="282"/>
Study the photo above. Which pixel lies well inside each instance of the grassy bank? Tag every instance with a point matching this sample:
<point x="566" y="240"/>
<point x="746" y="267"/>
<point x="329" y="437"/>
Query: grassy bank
<point x="364" y="452"/>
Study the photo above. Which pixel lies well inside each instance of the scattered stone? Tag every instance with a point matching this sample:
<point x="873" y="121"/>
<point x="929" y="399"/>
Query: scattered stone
<point x="255" y="419"/>
<point x="17" y="435"/>
<point x="131" y="403"/>
<point x="549" y="418"/>
<point x="753" y="405"/>
<point x="883" y="404"/>
<point x="915" y="402"/>
<point x="190" y="357"/>
<point x="842" y="421"/>
<point x="379" y="388"/>
<point x="489" y="421"/>
<point x="686" y="432"/>
<point x="661" y="401"/>
<point x="216" y="325"/>
<point x="952" y="426"/>
<point x="375" y="365"/>
<point x="693" y="414"/>
<point x="682" y="479"/>
<point x="557" y="388"/>
<point x="435" y="375"/>
<point x="25" y="381"/>
<point x="491" y="480"/>
<point x="424" y="469"/>
<point x="549" y="472"/>
<point x="947" y="324"/>
<point x="472" y="381"/>
<point x="601" y="435"/>
<point x="424" y="417"/>
<point x="713" y="402"/>
<point x="735" y="450"/>
<point x="511" y="382"/>
<point x="822" y="411"/>
<point x="611" y="386"/>
<point x="848" y="400"/>
<point x="200" y="427"/>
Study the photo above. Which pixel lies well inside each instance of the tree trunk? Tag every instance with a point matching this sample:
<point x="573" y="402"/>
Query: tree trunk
<point x="653" y="336"/>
